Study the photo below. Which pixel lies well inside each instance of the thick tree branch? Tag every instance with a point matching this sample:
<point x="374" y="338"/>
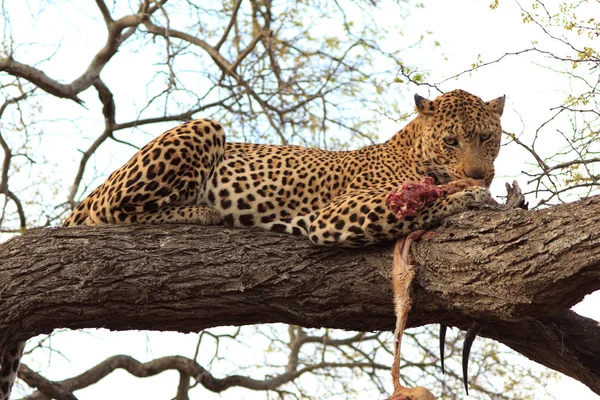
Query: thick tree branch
<point x="518" y="271"/>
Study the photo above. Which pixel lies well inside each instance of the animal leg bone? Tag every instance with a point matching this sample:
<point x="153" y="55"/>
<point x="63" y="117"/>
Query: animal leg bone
<point x="402" y="276"/>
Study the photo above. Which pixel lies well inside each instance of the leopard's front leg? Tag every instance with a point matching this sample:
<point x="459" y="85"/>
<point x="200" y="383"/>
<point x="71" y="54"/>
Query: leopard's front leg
<point x="361" y="217"/>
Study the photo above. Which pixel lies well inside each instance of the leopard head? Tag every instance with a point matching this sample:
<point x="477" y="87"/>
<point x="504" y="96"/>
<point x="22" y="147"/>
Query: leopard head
<point x="460" y="135"/>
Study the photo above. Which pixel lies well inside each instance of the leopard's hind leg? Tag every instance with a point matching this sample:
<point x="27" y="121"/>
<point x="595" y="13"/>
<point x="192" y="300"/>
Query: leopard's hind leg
<point x="162" y="182"/>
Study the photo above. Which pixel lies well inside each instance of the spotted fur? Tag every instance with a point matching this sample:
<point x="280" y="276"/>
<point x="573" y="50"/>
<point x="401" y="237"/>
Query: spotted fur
<point x="189" y="174"/>
<point x="9" y="364"/>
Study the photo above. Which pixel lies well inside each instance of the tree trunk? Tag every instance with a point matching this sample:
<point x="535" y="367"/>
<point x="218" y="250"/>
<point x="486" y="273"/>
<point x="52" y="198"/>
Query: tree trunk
<point x="517" y="271"/>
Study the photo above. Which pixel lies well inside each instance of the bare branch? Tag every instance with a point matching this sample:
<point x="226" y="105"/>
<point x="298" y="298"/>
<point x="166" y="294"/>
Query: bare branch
<point x="39" y="78"/>
<point x="236" y="8"/>
<point x="105" y="12"/>
<point x="184" y="365"/>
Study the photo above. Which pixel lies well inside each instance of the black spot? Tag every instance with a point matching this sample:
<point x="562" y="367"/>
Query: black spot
<point x="122" y="217"/>
<point x="151" y="205"/>
<point x="356" y="230"/>
<point x="296" y="231"/>
<point x="161" y="168"/>
<point x="168" y="177"/>
<point x="340" y="224"/>
<point x="169" y="153"/>
<point x="133" y="180"/>
<point x="211" y="196"/>
<point x="162" y="192"/>
<point x="364" y="209"/>
<point x="375" y="227"/>
<point x="278" y="228"/>
<point x="373" y="217"/>
<point x="391" y="219"/>
<point x="247" y="219"/>
<point x="242" y="205"/>
<point x="132" y="171"/>
<point x="225" y="204"/>
<point x="237" y="187"/>
<point x="268" y="218"/>
<point x="128" y="208"/>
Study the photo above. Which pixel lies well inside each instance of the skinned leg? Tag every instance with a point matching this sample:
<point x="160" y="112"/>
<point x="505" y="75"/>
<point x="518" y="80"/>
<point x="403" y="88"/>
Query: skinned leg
<point x="402" y="276"/>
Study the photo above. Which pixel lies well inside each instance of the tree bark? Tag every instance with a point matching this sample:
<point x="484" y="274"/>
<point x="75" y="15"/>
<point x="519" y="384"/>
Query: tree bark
<point x="517" y="271"/>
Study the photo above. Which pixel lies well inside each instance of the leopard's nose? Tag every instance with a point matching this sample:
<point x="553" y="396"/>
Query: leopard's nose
<point x="474" y="172"/>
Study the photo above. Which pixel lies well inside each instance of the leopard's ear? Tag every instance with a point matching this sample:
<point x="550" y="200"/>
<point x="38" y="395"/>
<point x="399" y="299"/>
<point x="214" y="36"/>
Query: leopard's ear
<point x="423" y="105"/>
<point x="497" y="105"/>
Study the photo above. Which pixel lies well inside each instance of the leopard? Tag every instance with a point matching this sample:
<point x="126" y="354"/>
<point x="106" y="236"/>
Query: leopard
<point x="191" y="175"/>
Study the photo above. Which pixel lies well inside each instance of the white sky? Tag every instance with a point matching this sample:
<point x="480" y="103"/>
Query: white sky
<point x="465" y="28"/>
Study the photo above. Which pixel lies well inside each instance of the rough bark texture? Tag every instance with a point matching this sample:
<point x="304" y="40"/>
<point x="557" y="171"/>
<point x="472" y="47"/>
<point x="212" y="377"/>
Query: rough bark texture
<point x="518" y="271"/>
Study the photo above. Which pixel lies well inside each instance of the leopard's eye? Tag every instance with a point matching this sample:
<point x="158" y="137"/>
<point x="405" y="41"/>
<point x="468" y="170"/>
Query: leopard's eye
<point x="485" y="136"/>
<point x="451" y="141"/>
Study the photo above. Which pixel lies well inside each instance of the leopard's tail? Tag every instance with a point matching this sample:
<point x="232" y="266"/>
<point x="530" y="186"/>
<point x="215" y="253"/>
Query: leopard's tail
<point x="10" y="360"/>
